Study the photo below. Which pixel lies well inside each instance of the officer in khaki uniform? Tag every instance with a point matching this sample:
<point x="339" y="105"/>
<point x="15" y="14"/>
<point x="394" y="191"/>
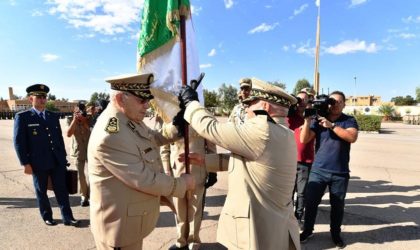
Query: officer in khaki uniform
<point x="258" y="212"/>
<point x="195" y="206"/>
<point x="238" y="113"/>
<point x="125" y="170"/>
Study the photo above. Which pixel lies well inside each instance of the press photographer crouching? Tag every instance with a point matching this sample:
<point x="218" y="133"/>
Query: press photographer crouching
<point x="334" y="132"/>
<point x="79" y="131"/>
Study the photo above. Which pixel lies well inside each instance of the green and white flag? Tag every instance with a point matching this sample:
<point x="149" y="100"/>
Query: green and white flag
<point x="159" y="51"/>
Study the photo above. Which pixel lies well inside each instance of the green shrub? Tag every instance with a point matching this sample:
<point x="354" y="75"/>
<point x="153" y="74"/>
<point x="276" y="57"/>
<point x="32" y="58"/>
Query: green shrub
<point x="369" y="122"/>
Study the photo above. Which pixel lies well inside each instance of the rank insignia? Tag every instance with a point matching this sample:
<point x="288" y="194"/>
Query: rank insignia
<point x="113" y="125"/>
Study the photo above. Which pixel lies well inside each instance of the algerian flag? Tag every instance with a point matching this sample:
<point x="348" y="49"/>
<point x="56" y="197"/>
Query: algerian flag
<point x="159" y="51"/>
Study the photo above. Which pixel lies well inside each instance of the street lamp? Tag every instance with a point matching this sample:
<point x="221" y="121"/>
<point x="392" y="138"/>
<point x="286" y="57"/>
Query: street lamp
<point x="354" y="98"/>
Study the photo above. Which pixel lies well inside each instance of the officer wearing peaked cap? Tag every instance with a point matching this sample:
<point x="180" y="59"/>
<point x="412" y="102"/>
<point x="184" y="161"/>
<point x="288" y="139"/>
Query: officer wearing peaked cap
<point x="238" y="113"/>
<point x="40" y="148"/>
<point x="258" y="212"/>
<point x="125" y="170"/>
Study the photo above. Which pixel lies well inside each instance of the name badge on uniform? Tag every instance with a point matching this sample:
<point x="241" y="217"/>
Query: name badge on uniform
<point x="33" y="125"/>
<point x="113" y="125"/>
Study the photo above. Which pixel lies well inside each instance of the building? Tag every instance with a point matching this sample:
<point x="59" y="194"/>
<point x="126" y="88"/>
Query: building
<point x="369" y="100"/>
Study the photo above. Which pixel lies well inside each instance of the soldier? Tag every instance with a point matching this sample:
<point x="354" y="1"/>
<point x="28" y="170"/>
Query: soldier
<point x="238" y="112"/>
<point x="258" y="212"/>
<point x="125" y="170"/>
<point x="40" y="148"/>
<point x="195" y="202"/>
<point x="79" y="131"/>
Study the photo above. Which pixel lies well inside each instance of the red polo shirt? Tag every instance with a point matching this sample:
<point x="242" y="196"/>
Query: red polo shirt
<point x="305" y="152"/>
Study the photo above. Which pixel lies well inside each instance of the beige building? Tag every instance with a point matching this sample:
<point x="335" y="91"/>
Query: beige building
<point x="369" y="100"/>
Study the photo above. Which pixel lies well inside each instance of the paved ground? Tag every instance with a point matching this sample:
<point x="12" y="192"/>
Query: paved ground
<point x="382" y="211"/>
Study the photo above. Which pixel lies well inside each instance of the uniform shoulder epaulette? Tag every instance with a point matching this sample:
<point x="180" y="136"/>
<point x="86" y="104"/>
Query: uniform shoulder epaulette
<point x="113" y="125"/>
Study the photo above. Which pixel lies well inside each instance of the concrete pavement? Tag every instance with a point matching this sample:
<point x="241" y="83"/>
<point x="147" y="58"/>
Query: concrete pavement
<point x="382" y="205"/>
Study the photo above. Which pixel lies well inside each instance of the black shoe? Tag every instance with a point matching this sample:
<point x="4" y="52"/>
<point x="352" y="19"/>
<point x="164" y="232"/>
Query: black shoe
<point x="305" y="235"/>
<point x="339" y="243"/>
<point x="174" y="247"/>
<point x="72" y="222"/>
<point x="50" y="222"/>
<point x="84" y="203"/>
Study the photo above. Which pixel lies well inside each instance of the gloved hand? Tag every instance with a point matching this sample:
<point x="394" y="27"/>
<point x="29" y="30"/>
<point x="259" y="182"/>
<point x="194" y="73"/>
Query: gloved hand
<point x="211" y="180"/>
<point x="179" y="122"/>
<point x="186" y="96"/>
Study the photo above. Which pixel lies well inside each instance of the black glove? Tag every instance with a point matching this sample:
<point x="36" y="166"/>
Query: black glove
<point x="211" y="180"/>
<point x="179" y="122"/>
<point x="187" y="95"/>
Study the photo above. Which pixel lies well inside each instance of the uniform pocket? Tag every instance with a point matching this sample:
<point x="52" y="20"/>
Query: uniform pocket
<point x="141" y="218"/>
<point x="239" y="224"/>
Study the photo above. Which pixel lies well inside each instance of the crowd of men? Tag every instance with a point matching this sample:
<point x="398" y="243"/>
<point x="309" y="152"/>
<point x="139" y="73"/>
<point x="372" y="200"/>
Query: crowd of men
<point x="276" y="150"/>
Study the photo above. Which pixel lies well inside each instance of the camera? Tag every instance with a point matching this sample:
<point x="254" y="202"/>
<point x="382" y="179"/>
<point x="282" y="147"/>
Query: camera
<point x="294" y="108"/>
<point x="82" y="109"/>
<point x="320" y="106"/>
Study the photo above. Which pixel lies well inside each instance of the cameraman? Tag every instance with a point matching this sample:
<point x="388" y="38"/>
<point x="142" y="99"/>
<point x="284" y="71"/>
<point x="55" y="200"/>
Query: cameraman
<point x="334" y="134"/>
<point x="305" y="152"/>
<point x="79" y="130"/>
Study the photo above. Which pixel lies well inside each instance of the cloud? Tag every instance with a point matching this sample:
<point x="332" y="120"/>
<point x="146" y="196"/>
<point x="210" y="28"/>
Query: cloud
<point x="357" y="2"/>
<point x="286" y="48"/>
<point x="212" y="52"/>
<point x="37" y="13"/>
<point x="352" y="46"/>
<point x="300" y="9"/>
<point x="12" y="2"/>
<point x="103" y="16"/>
<point x="195" y="10"/>
<point x="228" y="4"/>
<point x="305" y="49"/>
<point x="268" y="6"/>
<point x="49" y="57"/>
<point x="317" y="3"/>
<point x="406" y="35"/>
<point x="411" y="19"/>
<point x="208" y="65"/>
<point x="263" y="28"/>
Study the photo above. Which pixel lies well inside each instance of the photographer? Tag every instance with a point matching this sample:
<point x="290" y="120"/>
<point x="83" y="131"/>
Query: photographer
<point x="305" y="152"/>
<point x="79" y="130"/>
<point x="334" y="134"/>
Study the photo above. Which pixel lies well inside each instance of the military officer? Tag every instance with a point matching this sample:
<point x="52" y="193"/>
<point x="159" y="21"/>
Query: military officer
<point x="40" y="148"/>
<point x="258" y="212"/>
<point x="195" y="202"/>
<point x="238" y="112"/>
<point x="125" y="170"/>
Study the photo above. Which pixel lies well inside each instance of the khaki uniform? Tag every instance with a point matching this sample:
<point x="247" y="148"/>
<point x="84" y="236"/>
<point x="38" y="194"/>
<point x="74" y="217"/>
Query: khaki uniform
<point x="195" y="205"/>
<point x="126" y="179"/>
<point x="79" y="145"/>
<point x="258" y="212"/>
<point x="238" y="114"/>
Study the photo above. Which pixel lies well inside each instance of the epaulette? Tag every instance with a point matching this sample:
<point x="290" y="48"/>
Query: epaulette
<point x="113" y="125"/>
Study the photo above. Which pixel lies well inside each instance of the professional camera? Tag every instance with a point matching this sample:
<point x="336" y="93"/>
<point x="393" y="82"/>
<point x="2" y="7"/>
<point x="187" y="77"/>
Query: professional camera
<point x="82" y="109"/>
<point x="320" y="106"/>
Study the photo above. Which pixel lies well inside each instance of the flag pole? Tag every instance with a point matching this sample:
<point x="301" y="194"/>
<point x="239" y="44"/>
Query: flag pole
<point x="183" y="46"/>
<point x="316" y="74"/>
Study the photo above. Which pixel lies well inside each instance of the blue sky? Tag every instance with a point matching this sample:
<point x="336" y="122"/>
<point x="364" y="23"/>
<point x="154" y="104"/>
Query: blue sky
<point x="72" y="46"/>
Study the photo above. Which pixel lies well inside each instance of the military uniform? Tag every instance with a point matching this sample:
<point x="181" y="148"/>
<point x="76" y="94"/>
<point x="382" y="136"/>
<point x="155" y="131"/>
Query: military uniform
<point x="126" y="179"/>
<point x="238" y="113"/>
<point x="39" y="142"/>
<point x="258" y="212"/>
<point x="195" y="205"/>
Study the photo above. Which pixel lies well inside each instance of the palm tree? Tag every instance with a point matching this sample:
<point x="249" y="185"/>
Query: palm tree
<point x="387" y="110"/>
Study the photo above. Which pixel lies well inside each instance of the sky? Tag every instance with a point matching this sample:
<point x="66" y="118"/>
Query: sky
<point x="368" y="47"/>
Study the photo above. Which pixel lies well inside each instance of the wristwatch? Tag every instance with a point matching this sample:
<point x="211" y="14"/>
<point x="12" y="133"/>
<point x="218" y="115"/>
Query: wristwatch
<point x="332" y="126"/>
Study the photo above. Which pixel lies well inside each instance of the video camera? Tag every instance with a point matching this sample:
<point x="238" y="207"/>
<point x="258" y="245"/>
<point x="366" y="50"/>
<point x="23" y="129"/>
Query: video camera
<point x="320" y="106"/>
<point x="82" y="108"/>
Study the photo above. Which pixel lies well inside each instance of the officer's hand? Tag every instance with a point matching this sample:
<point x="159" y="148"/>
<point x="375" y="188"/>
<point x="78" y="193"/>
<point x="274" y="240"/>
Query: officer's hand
<point x="211" y="180"/>
<point x="189" y="180"/>
<point x="179" y="122"/>
<point x="28" y="169"/>
<point x="195" y="158"/>
<point x="186" y="96"/>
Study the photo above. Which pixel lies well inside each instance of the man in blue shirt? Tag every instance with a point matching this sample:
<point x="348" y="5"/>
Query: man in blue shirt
<point x="40" y="148"/>
<point x="333" y="134"/>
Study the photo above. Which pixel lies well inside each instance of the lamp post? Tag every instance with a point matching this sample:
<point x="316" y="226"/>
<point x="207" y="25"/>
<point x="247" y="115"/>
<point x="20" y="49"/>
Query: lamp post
<point x="354" y="98"/>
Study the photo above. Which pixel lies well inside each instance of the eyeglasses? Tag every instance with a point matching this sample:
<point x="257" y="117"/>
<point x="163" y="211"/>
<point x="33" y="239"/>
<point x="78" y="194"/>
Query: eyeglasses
<point x="41" y="96"/>
<point x="138" y="99"/>
<point x="245" y="89"/>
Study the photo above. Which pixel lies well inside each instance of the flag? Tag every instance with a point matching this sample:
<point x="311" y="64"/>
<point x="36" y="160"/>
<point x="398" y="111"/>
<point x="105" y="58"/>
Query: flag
<point x="159" y="52"/>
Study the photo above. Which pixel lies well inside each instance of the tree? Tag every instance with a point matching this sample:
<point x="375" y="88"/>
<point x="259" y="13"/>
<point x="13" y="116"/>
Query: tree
<point x="51" y="97"/>
<point x="50" y="106"/>
<point x="418" y="94"/>
<point x="278" y="84"/>
<point x="403" y="101"/>
<point x="210" y="98"/>
<point x="97" y="96"/>
<point x="228" y="97"/>
<point x="387" y="110"/>
<point x="300" y="84"/>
